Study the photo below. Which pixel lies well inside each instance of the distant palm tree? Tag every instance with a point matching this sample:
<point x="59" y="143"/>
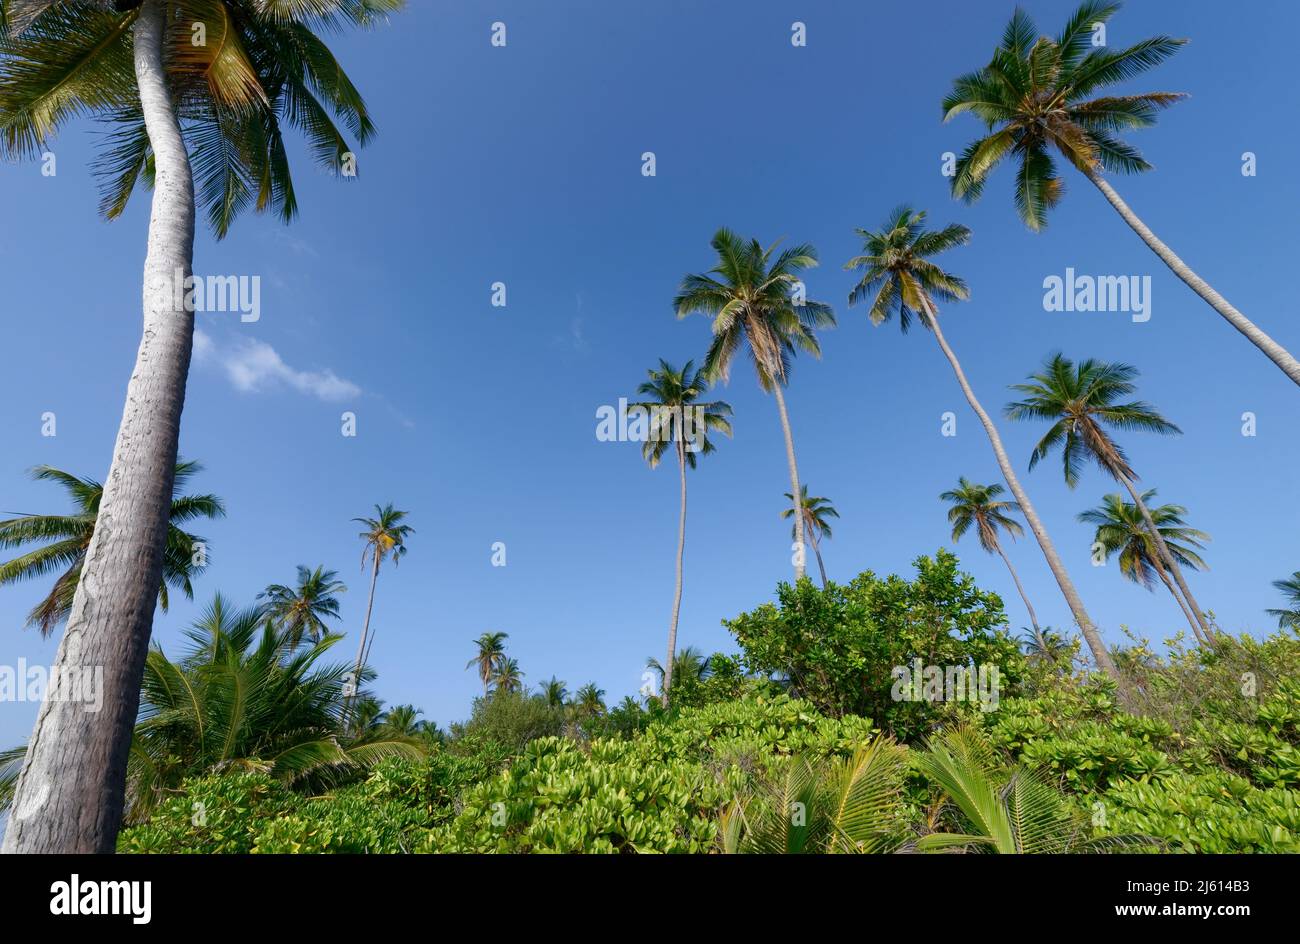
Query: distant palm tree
<point x="69" y="537"/>
<point x="507" y="677"/>
<point x="979" y="505"/>
<point x="1122" y="529"/>
<point x="301" y="610"/>
<point x="1052" y="648"/>
<point x="900" y="276"/>
<point x="1080" y="401"/>
<point x="384" y="536"/>
<point x="690" y="663"/>
<point x="1035" y="97"/>
<point x="491" y="653"/>
<point x="685" y="421"/>
<point x="757" y="300"/>
<point x="588" y="701"/>
<point x="1290" y="617"/>
<point x="553" y="692"/>
<point x="815" y="512"/>
<point x="402" y="721"/>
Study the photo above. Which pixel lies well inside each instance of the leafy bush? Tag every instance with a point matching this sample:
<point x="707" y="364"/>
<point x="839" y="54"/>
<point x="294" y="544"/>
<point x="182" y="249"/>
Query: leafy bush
<point x="511" y="719"/>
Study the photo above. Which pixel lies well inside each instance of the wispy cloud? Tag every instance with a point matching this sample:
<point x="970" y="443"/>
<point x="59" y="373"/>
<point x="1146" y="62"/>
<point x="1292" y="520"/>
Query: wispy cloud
<point x="253" y="366"/>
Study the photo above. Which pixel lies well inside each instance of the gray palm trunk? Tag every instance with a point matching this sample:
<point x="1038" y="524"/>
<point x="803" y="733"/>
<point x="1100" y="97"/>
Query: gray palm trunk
<point x="1272" y="350"/>
<point x="677" y="594"/>
<point x="365" y="633"/>
<point x="1167" y="558"/>
<point x="1033" y="617"/>
<point x="70" y="794"/>
<point x="817" y="549"/>
<point x="1072" y="598"/>
<point x="794" y="482"/>
<point x="1182" y="604"/>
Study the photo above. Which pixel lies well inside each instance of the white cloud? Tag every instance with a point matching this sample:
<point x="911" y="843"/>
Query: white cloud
<point x="253" y="366"/>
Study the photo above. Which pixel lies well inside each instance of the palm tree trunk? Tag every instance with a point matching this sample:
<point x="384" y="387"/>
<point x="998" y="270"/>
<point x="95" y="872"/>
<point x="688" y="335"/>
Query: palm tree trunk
<point x="1167" y="558"/>
<point x="794" y="481"/>
<point x="817" y="549"/>
<point x="1182" y="604"/>
<point x="1033" y="617"/>
<point x="1272" y="350"/>
<point x="1090" y="634"/>
<point x="677" y="594"/>
<point x="365" y="632"/>
<point x="70" y="794"/>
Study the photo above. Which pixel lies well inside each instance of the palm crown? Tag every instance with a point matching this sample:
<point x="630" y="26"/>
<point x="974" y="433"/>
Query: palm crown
<point x="1121" y="528"/>
<point x="815" y="512"/>
<point x="751" y="296"/>
<point x="491" y="653"/>
<point x="1081" y="400"/>
<point x="301" y="610"/>
<point x="69" y="537"/>
<point x="979" y="505"/>
<point x="1036" y="97"/>
<point x="1290" y="617"/>
<point x="256" y="68"/>
<point x="384" y="535"/>
<point x="899" y="271"/>
<point x="672" y="393"/>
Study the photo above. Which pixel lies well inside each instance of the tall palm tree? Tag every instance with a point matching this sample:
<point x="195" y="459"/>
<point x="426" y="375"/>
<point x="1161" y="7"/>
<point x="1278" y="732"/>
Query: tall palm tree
<point x="674" y="396"/>
<point x="979" y="505"/>
<point x="1290" y="617"/>
<point x="900" y="273"/>
<point x="491" y="653"/>
<point x="1122" y="530"/>
<point x="1080" y="401"/>
<point x="815" y="512"/>
<point x="553" y="692"/>
<point x="1036" y="97"/>
<point x="507" y="677"/>
<point x="70" y="537"/>
<point x="755" y="298"/>
<point x="384" y="536"/>
<point x="219" y="111"/>
<point x="301" y="610"/>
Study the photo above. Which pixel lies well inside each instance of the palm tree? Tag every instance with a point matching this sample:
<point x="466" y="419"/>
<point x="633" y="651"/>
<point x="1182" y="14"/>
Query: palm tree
<point x="301" y="610"/>
<point x="904" y="279"/>
<point x="70" y="537"/>
<point x="757" y="300"/>
<point x="1290" y="617"/>
<point x="402" y="721"/>
<point x="673" y="397"/>
<point x="588" y="701"/>
<point x="553" y="692"/>
<point x="689" y="664"/>
<point x="979" y="505"/>
<point x="1122" y="529"/>
<point x="1080" y="400"/>
<point x="180" y="109"/>
<point x="491" y="653"/>
<point x="384" y="536"/>
<point x="1035" y="97"/>
<point x="815" y="512"/>
<point x="1050" y="647"/>
<point x="507" y="677"/>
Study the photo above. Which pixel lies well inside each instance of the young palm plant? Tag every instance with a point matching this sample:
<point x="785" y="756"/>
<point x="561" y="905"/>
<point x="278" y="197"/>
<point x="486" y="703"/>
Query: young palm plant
<point x="756" y="299"/>
<point x="216" y="111"/>
<point x="491" y="653"/>
<point x="684" y="421"/>
<point x="301" y="610"/>
<point x="900" y="277"/>
<point x="1080" y="401"/>
<point x="980" y="506"/>
<point x="1290" y="588"/>
<point x="1036" y="97"/>
<point x="184" y="558"/>
<point x="384" y="536"/>
<point x="1122" y="530"/>
<point x="815" y="512"/>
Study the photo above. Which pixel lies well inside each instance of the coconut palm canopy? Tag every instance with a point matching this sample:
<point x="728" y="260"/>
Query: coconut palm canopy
<point x="1122" y="530"/>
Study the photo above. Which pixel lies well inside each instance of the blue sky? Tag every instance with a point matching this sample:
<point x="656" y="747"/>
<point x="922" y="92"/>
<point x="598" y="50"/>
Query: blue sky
<point x="523" y="165"/>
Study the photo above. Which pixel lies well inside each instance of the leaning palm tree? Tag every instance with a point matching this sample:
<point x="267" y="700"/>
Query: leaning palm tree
<point x="491" y="653"/>
<point x="1036" y="97"/>
<point x="507" y="677"/>
<point x="979" y="505"/>
<point x="684" y="420"/>
<point x="1080" y="401"/>
<point x="301" y="610"/>
<point x="815" y="512"/>
<point x="1122" y="530"/>
<point x="185" y="556"/>
<point x="181" y="109"/>
<point x="384" y="536"/>
<point x="900" y="277"/>
<point x="756" y="299"/>
<point x="1290" y="617"/>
